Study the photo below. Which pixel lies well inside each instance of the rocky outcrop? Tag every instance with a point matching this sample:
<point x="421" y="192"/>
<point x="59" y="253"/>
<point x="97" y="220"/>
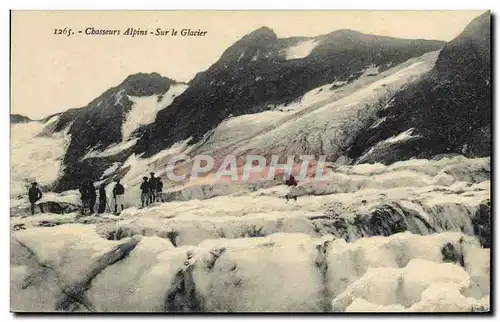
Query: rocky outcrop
<point x="17" y="118"/>
<point x="481" y="222"/>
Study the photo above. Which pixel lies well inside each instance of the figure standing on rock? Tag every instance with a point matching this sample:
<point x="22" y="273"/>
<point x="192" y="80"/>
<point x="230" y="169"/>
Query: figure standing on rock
<point x="34" y="194"/>
<point x="119" y="196"/>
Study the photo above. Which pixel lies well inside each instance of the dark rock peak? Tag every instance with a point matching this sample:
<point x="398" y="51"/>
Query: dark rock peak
<point x="143" y="84"/>
<point x="469" y="50"/>
<point x="263" y="33"/>
<point x="17" y="118"/>
<point x="346" y="38"/>
<point x="244" y="49"/>
<point x="344" y="33"/>
<point x="477" y="27"/>
<point x="139" y="78"/>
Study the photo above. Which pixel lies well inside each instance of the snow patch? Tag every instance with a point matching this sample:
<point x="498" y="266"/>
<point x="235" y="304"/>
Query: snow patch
<point x="301" y="50"/>
<point x="119" y="96"/>
<point x="378" y="122"/>
<point x="115" y="166"/>
<point x="144" y="109"/>
<point x="402" y="137"/>
<point x="371" y="70"/>
<point x="111" y="150"/>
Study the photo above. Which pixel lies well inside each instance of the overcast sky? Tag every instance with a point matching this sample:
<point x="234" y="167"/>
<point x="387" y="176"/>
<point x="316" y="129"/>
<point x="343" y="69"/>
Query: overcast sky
<point x="52" y="73"/>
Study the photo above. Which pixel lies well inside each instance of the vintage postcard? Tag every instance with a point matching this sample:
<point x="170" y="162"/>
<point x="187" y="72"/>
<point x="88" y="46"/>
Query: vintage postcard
<point x="250" y="161"/>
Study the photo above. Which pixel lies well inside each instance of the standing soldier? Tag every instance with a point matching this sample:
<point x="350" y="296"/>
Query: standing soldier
<point x="153" y="186"/>
<point x="87" y="195"/>
<point x="102" y="199"/>
<point x="34" y="194"/>
<point x="145" y="192"/>
<point x="92" y="195"/>
<point x="159" y="188"/>
<point x="119" y="196"/>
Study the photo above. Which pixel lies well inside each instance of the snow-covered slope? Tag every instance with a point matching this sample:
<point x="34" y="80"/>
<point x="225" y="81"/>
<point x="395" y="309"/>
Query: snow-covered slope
<point x="256" y="73"/>
<point x="448" y="110"/>
<point x="35" y="155"/>
<point x="326" y="127"/>
<point x="101" y="131"/>
<point x="322" y="122"/>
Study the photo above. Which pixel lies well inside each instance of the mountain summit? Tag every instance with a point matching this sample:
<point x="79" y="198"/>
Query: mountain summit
<point x="261" y="71"/>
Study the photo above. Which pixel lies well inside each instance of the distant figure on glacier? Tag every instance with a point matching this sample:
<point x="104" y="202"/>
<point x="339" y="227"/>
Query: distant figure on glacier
<point x="88" y="195"/>
<point x="153" y="187"/>
<point x="159" y="188"/>
<point x="119" y="196"/>
<point x="34" y="194"/>
<point x="292" y="192"/>
<point x="102" y="199"/>
<point x="145" y="192"/>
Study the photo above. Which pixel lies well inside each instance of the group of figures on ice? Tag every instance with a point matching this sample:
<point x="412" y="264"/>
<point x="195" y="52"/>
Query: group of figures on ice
<point x="151" y="191"/>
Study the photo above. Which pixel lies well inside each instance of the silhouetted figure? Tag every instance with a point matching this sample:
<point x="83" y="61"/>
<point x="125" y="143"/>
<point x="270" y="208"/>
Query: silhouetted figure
<point x="34" y="194"/>
<point x="88" y="195"/>
<point x="102" y="199"/>
<point x="153" y="188"/>
<point x="145" y="191"/>
<point x="119" y="195"/>
<point x="93" y="196"/>
<point x="159" y="188"/>
<point x="292" y="183"/>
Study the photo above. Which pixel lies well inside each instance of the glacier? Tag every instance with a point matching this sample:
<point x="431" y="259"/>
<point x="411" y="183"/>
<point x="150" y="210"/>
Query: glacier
<point x="372" y="238"/>
<point x="71" y="268"/>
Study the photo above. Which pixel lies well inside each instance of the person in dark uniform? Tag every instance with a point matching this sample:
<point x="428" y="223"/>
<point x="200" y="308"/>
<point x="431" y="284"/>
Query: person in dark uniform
<point x="93" y="196"/>
<point x="159" y="188"/>
<point x="119" y="195"/>
<point x="102" y="199"/>
<point x="84" y="196"/>
<point x="145" y="192"/>
<point x="88" y="196"/>
<point x="152" y="188"/>
<point x="34" y="194"/>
